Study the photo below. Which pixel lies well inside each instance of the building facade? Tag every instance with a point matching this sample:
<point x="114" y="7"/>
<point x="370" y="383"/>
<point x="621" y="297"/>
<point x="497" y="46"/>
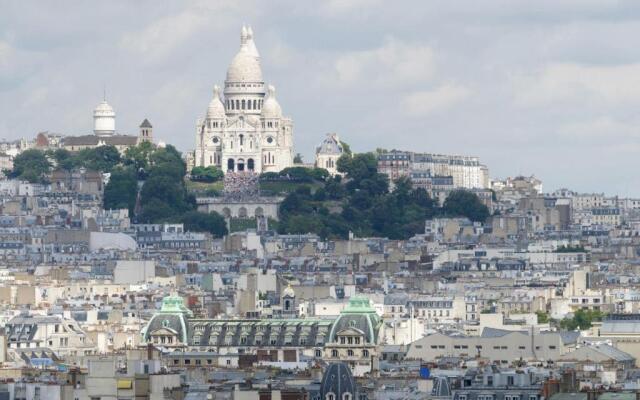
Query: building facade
<point x="245" y="130"/>
<point x="328" y="153"/>
<point x="465" y="172"/>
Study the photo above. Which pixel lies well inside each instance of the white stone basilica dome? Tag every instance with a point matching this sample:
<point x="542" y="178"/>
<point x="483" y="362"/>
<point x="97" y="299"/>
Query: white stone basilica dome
<point x="245" y="66"/>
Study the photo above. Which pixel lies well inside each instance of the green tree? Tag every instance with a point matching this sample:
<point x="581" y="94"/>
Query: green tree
<point x="346" y="149"/>
<point x="212" y="222"/>
<point x="139" y="157"/>
<point x="101" y="158"/>
<point x="358" y="166"/>
<point x="62" y="158"/>
<point x="157" y="211"/>
<point x="122" y="190"/>
<point x="543" y="317"/>
<point x="164" y="196"/>
<point x="167" y="162"/>
<point x="31" y="165"/>
<point x="582" y="319"/>
<point x="167" y="190"/>
<point x="206" y="174"/>
<point x="463" y="203"/>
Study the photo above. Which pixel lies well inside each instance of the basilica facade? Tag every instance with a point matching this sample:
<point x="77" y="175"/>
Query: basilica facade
<point x="244" y="129"/>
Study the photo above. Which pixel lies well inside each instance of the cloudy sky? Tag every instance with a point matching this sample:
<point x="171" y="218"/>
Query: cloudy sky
<point x="543" y="87"/>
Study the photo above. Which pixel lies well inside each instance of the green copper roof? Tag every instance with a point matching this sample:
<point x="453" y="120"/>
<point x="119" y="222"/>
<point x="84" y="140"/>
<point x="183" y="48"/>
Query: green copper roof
<point x="174" y="304"/>
<point x="359" y="304"/>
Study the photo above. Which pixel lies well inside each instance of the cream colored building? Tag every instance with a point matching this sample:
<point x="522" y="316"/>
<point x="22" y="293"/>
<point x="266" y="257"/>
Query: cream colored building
<point x="328" y="153"/>
<point x="245" y="130"/>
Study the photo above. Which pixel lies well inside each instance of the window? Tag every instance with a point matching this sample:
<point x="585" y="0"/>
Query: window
<point x="462" y="397"/>
<point x="318" y="353"/>
<point x="365" y="353"/>
<point x="350" y="353"/>
<point x="346" y="396"/>
<point x="228" y="362"/>
<point x="510" y="381"/>
<point x="334" y="353"/>
<point x="331" y="396"/>
<point x="552" y="347"/>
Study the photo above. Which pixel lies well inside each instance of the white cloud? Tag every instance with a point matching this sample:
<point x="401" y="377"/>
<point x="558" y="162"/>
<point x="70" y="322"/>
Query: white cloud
<point x="393" y="63"/>
<point x="5" y="53"/>
<point x="334" y="8"/>
<point x="579" y="83"/>
<point x="424" y="103"/>
<point x="160" y="38"/>
<point x="601" y="130"/>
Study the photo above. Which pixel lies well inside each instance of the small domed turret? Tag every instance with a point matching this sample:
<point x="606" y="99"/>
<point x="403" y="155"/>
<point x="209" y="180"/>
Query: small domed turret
<point x="216" y="108"/>
<point x="288" y="291"/>
<point x="271" y="108"/>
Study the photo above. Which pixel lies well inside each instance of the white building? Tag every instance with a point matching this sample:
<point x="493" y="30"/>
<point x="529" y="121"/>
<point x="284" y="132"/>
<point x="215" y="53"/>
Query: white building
<point x="104" y="119"/>
<point x="466" y="172"/>
<point x="328" y="153"/>
<point x="63" y="336"/>
<point x="246" y="129"/>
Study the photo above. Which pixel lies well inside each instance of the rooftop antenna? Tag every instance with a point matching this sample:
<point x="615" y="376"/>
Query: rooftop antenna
<point x="104" y="92"/>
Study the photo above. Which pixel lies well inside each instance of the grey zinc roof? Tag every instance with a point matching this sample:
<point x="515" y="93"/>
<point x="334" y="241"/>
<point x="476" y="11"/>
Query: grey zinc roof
<point x="396" y="299"/>
<point x="329" y="145"/>
<point x="569" y="396"/>
<point x="146" y="124"/>
<point x="620" y="326"/>
<point x="489" y="332"/>
<point x="337" y="379"/>
<point x="569" y="336"/>
<point x="93" y="140"/>
<point x="613" y="353"/>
